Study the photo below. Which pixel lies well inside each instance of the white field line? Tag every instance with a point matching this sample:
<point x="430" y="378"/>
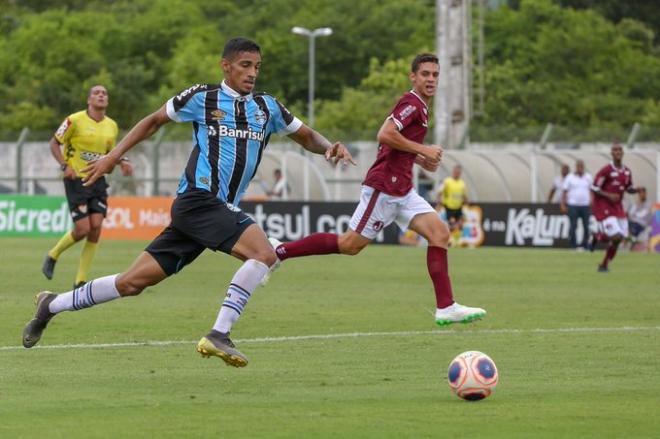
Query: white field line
<point x="437" y="332"/>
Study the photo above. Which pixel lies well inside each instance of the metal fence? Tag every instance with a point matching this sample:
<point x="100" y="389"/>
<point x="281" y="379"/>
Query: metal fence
<point x="511" y="171"/>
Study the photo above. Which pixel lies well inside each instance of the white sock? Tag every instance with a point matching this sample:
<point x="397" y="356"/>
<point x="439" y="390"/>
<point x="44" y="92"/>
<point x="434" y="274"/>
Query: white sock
<point x="92" y="293"/>
<point x="246" y="279"/>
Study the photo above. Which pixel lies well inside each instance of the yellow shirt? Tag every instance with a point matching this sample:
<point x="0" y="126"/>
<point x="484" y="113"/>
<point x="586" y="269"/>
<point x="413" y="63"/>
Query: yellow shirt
<point x="453" y="193"/>
<point x="85" y="139"/>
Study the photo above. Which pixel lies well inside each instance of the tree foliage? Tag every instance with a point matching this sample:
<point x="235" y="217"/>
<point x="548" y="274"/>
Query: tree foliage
<point x="360" y="111"/>
<point x="544" y="64"/>
<point x="551" y="64"/>
<point x="145" y="50"/>
<point x="645" y="11"/>
<point x="586" y="63"/>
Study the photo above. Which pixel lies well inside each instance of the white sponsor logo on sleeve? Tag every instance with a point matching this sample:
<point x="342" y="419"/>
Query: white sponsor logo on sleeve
<point x="410" y="109"/>
<point x="191" y="89"/>
<point x="62" y="129"/>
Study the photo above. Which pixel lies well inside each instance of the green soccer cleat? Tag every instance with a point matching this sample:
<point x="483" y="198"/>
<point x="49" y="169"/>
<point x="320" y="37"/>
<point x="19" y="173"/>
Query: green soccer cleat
<point x="35" y="327"/>
<point x="457" y="313"/>
<point x="219" y="344"/>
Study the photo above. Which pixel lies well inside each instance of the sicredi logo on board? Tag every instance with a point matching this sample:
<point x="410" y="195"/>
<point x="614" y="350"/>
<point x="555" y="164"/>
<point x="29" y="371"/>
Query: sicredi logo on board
<point x="32" y="218"/>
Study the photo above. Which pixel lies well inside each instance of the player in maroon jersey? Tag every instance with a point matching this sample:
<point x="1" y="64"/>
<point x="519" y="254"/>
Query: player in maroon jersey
<point x="388" y="195"/>
<point x="609" y="185"/>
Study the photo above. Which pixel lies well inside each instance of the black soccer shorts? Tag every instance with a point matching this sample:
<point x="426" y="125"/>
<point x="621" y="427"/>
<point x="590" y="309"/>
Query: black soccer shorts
<point x="456" y="214"/>
<point x="199" y="221"/>
<point x="83" y="201"/>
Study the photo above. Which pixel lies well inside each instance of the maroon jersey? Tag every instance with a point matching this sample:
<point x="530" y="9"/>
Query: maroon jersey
<point x="391" y="173"/>
<point x="613" y="180"/>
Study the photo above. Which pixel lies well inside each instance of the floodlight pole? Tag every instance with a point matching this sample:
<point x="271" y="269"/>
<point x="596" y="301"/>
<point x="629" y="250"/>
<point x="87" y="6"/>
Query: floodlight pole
<point x="311" y="35"/>
<point x="312" y="72"/>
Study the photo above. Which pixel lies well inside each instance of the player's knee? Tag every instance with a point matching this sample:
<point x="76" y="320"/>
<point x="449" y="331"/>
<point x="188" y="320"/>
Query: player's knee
<point x="439" y="240"/>
<point x="81" y="229"/>
<point x="439" y="237"/>
<point x="128" y="286"/>
<point x="351" y="249"/>
<point x="266" y="256"/>
<point x="94" y="233"/>
<point x="348" y="246"/>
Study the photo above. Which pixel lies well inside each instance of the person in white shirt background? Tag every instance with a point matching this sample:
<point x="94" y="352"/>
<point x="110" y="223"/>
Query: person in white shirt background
<point x="280" y="188"/>
<point x="554" y="196"/>
<point x="640" y="215"/>
<point x="575" y="200"/>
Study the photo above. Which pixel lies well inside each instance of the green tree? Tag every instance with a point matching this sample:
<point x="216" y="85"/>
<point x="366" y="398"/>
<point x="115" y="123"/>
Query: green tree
<point x="645" y="11"/>
<point x="544" y="63"/>
<point x="548" y="64"/>
<point x="360" y="111"/>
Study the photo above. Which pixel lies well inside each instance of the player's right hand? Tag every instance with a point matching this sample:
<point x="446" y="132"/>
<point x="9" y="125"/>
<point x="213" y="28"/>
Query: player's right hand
<point x="69" y="173"/>
<point x="97" y="169"/>
<point x="338" y="152"/>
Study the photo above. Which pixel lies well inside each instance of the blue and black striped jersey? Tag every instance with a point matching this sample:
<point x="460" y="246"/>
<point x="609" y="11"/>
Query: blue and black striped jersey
<point x="230" y="132"/>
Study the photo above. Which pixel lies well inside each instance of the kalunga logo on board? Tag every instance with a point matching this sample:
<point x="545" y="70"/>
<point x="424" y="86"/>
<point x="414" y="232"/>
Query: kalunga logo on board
<point x="528" y="225"/>
<point x="540" y="227"/>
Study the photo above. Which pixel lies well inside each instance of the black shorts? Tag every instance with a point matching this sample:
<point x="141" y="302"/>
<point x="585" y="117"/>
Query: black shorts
<point x="457" y="214"/>
<point x="83" y="201"/>
<point x="199" y="221"/>
<point x="636" y="229"/>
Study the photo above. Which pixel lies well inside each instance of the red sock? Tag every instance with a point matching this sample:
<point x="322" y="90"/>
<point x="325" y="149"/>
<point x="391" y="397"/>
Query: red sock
<point x="610" y="253"/>
<point x="436" y="260"/>
<point x="315" y="244"/>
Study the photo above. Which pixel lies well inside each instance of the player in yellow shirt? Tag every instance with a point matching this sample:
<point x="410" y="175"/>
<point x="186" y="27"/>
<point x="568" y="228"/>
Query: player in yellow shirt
<point x="82" y="137"/>
<point x="453" y="196"/>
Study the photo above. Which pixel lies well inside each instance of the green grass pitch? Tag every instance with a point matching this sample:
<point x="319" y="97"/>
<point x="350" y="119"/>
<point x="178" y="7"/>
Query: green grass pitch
<point x="578" y="351"/>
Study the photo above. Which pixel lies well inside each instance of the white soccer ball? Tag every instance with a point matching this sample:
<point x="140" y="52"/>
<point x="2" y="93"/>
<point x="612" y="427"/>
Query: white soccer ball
<point x="472" y="375"/>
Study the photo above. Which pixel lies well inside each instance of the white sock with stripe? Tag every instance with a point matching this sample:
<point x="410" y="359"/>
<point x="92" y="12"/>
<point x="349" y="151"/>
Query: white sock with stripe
<point x="246" y="279"/>
<point x="92" y="293"/>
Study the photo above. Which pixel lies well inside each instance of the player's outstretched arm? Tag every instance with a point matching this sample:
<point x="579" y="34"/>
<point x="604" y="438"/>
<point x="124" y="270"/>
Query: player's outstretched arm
<point x="315" y="142"/>
<point x="142" y="130"/>
<point x="390" y="135"/>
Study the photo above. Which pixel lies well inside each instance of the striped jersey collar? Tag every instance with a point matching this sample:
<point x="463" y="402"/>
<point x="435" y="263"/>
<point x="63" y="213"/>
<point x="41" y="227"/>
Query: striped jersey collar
<point x="233" y="93"/>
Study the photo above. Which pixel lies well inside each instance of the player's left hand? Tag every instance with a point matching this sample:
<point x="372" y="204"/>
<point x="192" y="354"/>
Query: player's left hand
<point x="126" y="168"/>
<point x="339" y="152"/>
<point x="97" y="169"/>
<point x="430" y="165"/>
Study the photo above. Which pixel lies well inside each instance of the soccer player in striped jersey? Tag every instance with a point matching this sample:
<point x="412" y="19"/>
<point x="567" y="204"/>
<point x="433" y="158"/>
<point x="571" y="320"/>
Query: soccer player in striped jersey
<point x="388" y="195"/>
<point x="231" y="126"/>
